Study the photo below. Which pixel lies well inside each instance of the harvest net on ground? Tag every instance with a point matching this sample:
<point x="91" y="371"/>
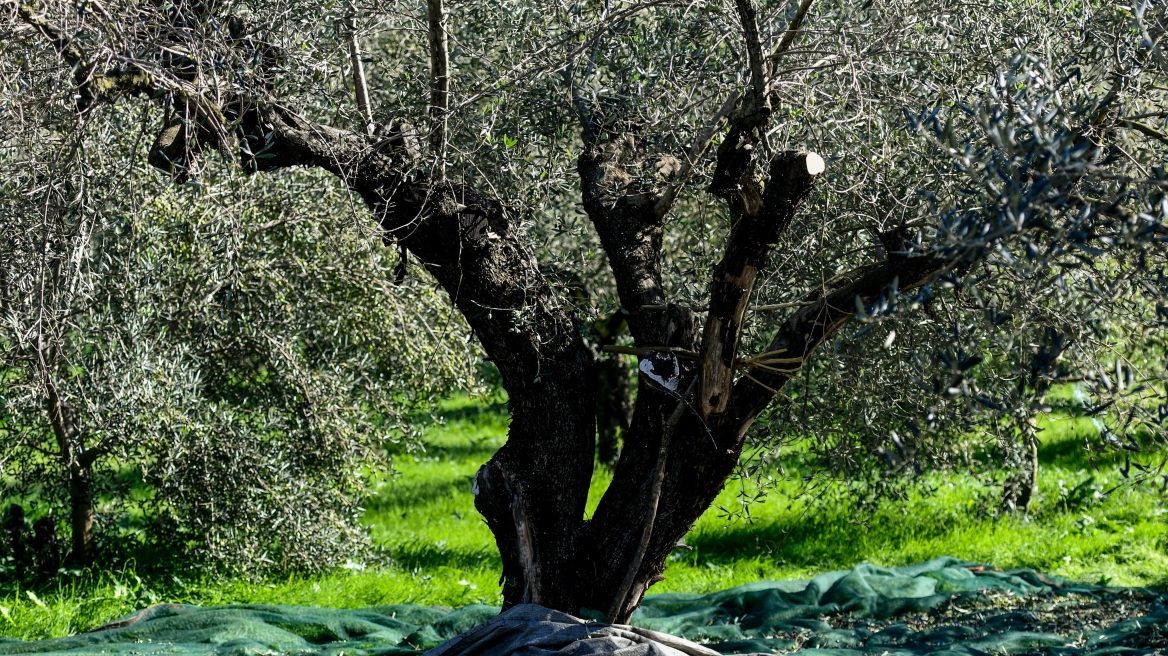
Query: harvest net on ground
<point x="943" y="606"/>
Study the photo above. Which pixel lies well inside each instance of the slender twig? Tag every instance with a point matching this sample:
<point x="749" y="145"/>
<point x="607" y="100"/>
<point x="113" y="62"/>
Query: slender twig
<point x="789" y="35"/>
<point x="598" y="28"/>
<point x="747" y="364"/>
<point x="754" y="308"/>
<point x="665" y="202"/>
<point x="1151" y="43"/>
<point x="765" y="386"/>
<point x="777" y="306"/>
<point x="1147" y="130"/>
<point x="646" y="350"/>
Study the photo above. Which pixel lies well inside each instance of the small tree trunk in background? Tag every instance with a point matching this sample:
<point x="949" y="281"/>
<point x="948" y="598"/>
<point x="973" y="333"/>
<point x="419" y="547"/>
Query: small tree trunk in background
<point x="78" y="462"/>
<point x="45" y="551"/>
<point x="614" y="403"/>
<point x="1021" y="488"/>
<point x="1027" y="492"/>
<point x="81" y="516"/>
<point x="17" y="542"/>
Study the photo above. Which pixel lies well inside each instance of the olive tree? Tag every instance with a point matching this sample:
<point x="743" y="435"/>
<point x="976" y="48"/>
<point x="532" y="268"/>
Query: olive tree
<point x="189" y="374"/>
<point x="750" y="177"/>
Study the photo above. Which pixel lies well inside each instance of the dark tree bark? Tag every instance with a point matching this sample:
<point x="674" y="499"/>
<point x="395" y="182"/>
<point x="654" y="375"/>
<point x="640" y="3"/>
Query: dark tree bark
<point x="82" y="552"/>
<point x="1020" y="488"/>
<point x="78" y="462"/>
<point x="15" y="529"/>
<point x="614" y="407"/>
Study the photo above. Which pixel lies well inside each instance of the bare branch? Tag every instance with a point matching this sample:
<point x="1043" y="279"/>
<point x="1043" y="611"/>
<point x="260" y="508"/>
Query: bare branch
<point x="646" y="350"/>
<point x="91" y="86"/>
<point x="360" y="87"/>
<point x="665" y="202"/>
<point x="439" y="85"/>
<point x="824" y="310"/>
<point x="788" y="39"/>
<point x="748" y="15"/>
<point x="1146" y="130"/>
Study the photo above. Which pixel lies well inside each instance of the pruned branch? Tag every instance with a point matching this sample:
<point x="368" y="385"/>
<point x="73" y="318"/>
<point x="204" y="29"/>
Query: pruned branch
<point x="759" y="224"/>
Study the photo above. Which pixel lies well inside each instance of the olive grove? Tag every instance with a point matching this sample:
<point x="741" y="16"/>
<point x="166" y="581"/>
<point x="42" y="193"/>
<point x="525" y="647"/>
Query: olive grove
<point x="854" y="220"/>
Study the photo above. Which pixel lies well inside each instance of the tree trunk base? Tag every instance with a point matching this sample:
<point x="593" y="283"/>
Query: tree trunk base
<point x="526" y="625"/>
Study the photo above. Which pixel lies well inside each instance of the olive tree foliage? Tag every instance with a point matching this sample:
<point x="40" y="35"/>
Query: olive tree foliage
<point x="749" y="178"/>
<point x="1062" y="148"/>
<point x="213" y="370"/>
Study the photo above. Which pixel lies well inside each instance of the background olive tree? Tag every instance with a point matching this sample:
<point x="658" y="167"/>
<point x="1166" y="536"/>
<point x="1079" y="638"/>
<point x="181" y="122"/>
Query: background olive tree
<point x="213" y="370"/>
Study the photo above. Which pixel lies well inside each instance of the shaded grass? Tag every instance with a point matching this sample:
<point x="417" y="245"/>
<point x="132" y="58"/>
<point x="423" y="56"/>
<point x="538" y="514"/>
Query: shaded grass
<point x="441" y="552"/>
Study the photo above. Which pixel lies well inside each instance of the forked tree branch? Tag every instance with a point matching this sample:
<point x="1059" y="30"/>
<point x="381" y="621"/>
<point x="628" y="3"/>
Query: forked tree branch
<point x="788" y="39"/>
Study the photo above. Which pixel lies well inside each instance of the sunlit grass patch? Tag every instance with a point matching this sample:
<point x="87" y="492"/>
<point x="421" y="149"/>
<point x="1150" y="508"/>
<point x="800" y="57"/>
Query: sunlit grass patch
<point x="439" y="551"/>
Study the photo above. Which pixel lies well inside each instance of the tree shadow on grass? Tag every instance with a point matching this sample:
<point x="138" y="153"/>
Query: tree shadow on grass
<point x="475" y="411"/>
<point x="407" y="495"/>
<point x="478" y="451"/>
<point x="826" y="541"/>
<point x="428" y="556"/>
<point x="1072" y="454"/>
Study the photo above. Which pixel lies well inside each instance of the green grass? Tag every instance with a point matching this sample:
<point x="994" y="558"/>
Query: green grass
<point x="442" y="552"/>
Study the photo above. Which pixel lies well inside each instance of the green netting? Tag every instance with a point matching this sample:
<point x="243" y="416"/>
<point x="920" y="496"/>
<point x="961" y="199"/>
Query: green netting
<point x="944" y="606"/>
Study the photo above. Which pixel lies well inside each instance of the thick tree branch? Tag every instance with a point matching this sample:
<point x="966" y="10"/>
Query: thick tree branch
<point x="702" y="454"/>
<point x="631" y="232"/>
<point x="439" y="84"/>
<point x="823" y="311"/>
<point x="92" y="87"/>
<point x="758" y="226"/>
<point x="748" y="16"/>
<point x="472" y="246"/>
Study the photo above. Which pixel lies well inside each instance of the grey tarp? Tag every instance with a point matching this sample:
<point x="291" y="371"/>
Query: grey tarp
<point x="865" y="610"/>
<point x="530" y="630"/>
